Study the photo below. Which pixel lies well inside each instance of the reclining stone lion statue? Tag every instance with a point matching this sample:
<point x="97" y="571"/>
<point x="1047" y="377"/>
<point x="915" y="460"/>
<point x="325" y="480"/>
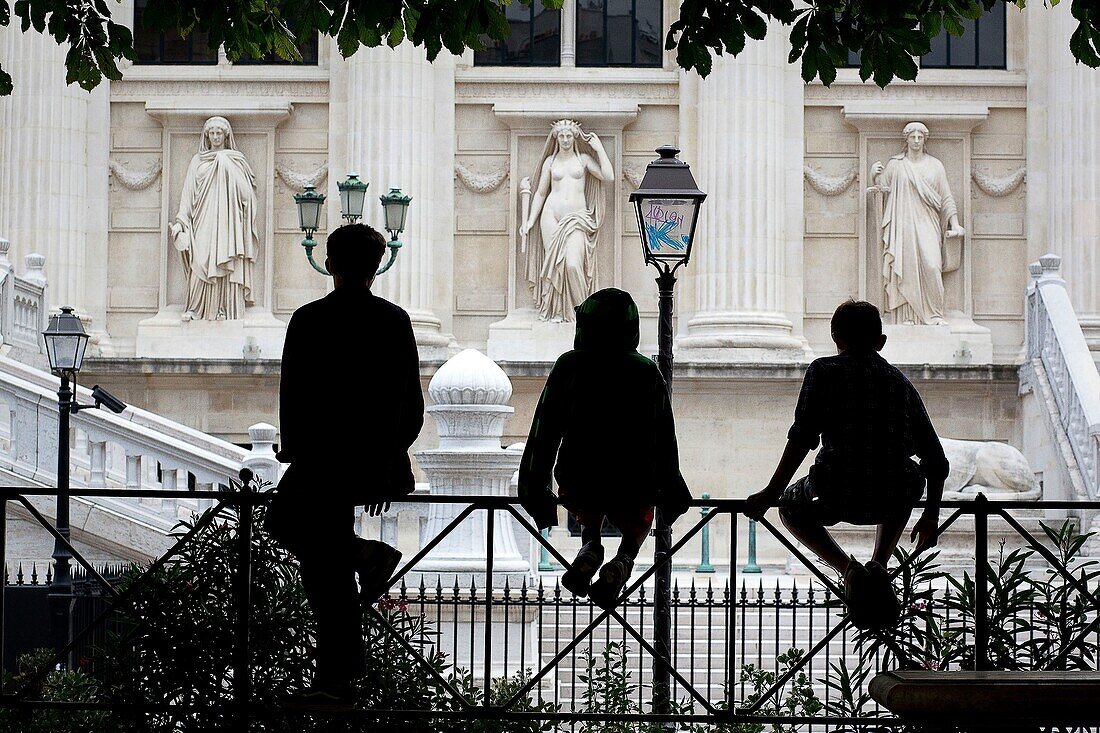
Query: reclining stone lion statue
<point x="996" y="469"/>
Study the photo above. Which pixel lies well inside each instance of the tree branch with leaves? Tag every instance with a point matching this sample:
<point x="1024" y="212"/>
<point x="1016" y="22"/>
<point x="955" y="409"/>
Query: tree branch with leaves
<point x="888" y="35"/>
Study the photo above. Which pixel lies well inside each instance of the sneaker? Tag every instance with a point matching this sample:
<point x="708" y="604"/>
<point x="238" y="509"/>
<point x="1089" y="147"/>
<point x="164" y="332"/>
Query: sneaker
<point x="605" y="592"/>
<point x="321" y="699"/>
<point x="857" y="589"/>
<point x="884" y="603"/>
<point x="375" y="563"/>
<point x="579" y="576"/>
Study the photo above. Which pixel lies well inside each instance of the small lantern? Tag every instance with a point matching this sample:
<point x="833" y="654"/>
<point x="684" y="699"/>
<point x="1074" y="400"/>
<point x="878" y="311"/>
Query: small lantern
<point x="667" y="203"/>
<point x="396" y="207"/>
<point x="65" y="342"/>
<point x="353" y="195"/>
<point x="309" y="210"/>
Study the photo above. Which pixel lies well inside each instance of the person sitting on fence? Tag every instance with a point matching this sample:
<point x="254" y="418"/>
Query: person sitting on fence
<point x="605" y="417"/>
<point x="871" y="423"/>
<point x="344" y="452"/>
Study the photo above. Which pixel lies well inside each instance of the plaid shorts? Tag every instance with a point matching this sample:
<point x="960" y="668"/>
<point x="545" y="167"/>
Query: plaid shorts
<point x="800" y="503"/>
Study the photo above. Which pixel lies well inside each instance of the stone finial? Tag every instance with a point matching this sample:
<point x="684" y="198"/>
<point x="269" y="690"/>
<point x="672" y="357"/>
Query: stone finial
<point x="35" y="265"/>
<point x="470" y="378"/>
<point x="1035" y="269"/>
<point x="471" y="396"/>
<point x="5" y="248"/>
<point x="1051" y="264"/>
<point x="261" y="458"/>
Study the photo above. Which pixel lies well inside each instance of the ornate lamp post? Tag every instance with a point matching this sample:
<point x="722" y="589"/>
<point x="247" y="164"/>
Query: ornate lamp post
<point x="353" y="193"/>
<point x="667" y="203"/>
<point x="66" y="342"/>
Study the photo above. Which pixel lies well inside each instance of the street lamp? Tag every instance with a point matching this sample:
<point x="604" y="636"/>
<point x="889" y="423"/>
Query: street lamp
<point x="66" y="342"/>
<point x="353" y="193"/>
<point x="667" y="204"/>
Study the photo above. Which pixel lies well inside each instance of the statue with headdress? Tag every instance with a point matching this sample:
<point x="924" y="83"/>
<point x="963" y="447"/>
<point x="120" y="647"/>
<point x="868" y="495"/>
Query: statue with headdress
<point x="560" y="228"/>
<point x="919" y="220"/>
<point x="215" y="228"/>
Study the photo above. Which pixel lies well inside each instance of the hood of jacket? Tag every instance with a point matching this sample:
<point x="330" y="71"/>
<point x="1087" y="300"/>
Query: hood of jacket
<point x="607" y="321"/>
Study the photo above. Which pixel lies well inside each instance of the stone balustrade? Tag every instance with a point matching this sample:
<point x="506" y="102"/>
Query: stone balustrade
<point x="23" y="309"/>
<point x="1060" y="362"/>
<point x="135" y="450"/>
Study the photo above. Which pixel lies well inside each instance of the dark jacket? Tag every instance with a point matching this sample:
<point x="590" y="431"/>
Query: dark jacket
<point x="605" y="418"/>
<point x="350" y="400"/>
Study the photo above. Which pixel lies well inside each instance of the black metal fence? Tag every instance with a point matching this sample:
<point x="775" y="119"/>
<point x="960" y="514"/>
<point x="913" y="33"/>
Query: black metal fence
<point x="721" y="631"/>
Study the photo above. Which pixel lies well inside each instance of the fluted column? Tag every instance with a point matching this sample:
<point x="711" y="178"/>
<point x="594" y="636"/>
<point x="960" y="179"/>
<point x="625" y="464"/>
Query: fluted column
<point x="400" y="130"/>
<point x="44" y="173"/>
<point x="749" y="126"/>
<point x="1073" y="170"/>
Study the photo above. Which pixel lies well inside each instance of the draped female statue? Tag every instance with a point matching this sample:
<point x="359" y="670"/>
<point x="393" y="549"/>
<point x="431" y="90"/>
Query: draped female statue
<point x="568" y="207"/>
<point x="215" y="227"/>
<point x="918" y="216"/>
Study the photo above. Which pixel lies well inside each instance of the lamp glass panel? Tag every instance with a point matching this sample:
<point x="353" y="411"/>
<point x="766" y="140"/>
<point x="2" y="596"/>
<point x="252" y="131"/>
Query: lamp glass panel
<point x="395" y="216"/>
<point x="353" y="201"/>
<point x="668" y="224"/>
<point x="309" y="215"/>
<point x="66" y="353"/>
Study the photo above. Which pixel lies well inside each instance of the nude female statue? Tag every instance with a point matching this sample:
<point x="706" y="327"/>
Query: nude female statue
<point x="567" y="207"/>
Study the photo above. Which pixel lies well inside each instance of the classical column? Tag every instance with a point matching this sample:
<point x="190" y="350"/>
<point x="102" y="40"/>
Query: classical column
<point x="1073" y="169"/>
<point x="748" y="247"/>
<point x="400" y="132"/>
<point x="44" y="171"/>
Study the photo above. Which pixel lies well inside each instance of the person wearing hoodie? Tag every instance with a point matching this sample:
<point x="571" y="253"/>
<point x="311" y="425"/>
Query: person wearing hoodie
<point x="604" y="428"/>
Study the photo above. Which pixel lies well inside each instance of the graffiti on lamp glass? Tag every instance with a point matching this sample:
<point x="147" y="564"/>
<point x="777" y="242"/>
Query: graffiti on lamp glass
<point x="659" y="224"/>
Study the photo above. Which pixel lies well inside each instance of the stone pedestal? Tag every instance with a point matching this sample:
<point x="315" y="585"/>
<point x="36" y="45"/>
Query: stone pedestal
<point x="470" y="393"/>
<point x="259" y="335"/>
<point x="960" y="342"/>
<point x="523" y="337"/>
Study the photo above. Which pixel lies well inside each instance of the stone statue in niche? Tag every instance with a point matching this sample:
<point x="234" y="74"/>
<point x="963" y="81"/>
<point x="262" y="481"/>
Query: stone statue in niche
<point x="560" y="227"/>
<point x="919" y="231"/>
<point x="215" y="228"/>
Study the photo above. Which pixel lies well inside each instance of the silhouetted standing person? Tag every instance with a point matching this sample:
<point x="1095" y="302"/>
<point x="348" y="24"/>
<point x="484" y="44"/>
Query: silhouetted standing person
<point x="350" y="407"/>
<point x="871" y="423"/>
<point x="604" y="425"/>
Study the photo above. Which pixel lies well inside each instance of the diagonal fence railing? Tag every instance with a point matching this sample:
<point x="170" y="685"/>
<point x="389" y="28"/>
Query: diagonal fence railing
<point x="702" y="706"/>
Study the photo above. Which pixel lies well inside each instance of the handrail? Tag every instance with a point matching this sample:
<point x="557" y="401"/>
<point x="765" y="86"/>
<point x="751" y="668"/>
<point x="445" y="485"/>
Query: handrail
<point x="242" y="710"/>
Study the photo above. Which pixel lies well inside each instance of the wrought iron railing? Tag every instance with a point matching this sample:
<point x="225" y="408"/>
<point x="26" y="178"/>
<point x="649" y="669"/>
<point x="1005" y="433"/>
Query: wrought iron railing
<point x="741" y="622"/>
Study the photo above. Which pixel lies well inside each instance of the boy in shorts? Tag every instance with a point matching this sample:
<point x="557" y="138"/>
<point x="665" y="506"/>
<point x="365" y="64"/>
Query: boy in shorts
<point x="871" y="423"/>
<point x="604" y="426"/>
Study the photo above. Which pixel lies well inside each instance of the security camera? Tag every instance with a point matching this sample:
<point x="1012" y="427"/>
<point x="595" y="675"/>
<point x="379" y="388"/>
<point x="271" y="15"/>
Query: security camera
<point x="108" y="400"/>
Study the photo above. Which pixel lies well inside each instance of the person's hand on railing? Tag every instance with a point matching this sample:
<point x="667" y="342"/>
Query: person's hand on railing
<point x="924" y="531"/>
<point x="374" y="510"/>
<point x="757" y="505"/>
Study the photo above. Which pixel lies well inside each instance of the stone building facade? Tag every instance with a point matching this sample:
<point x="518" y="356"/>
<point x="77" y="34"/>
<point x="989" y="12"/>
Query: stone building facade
<point x="92" y="181"/>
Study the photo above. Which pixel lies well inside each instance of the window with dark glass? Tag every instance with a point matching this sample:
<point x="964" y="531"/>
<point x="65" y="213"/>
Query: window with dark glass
<point x="169" y="48"/>
<point x="172" y="48"/>
<point x="981" y="46"/>
<point x="619" y="33"/>
<point x="534" y="38"/>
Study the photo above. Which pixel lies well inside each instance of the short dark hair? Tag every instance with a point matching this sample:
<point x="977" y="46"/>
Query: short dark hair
<point x="354" y="251"/>
<point x="857" y="323"/>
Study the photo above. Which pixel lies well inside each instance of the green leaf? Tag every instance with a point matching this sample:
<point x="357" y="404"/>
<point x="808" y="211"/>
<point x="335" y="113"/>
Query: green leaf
<point x="5" y="83"/>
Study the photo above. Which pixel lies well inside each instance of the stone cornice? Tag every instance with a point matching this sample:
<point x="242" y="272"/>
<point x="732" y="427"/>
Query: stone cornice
<point x="121" y="366"/>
